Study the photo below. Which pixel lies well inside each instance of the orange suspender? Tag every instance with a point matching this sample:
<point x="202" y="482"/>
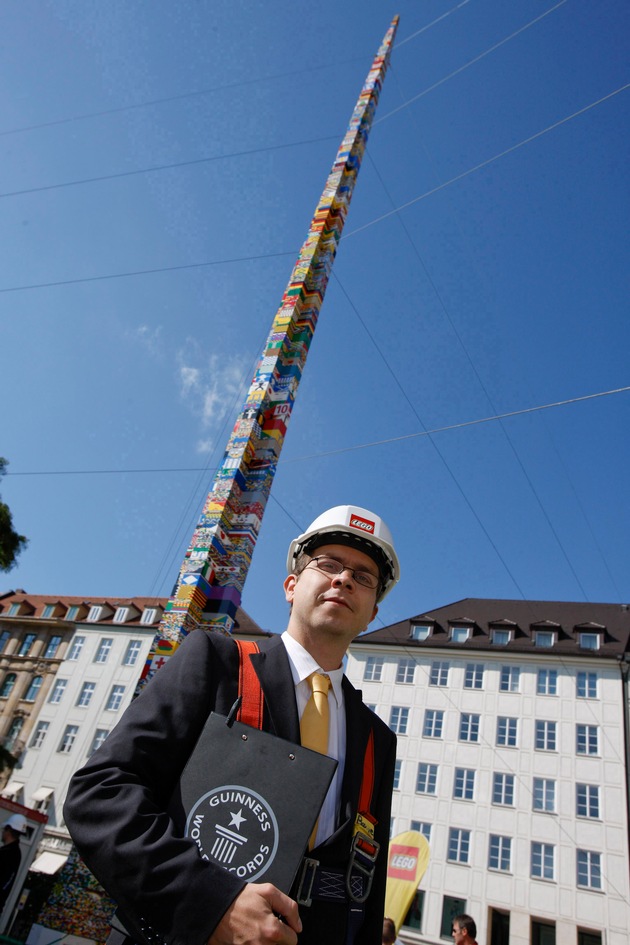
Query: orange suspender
<point x="249" y="688"/>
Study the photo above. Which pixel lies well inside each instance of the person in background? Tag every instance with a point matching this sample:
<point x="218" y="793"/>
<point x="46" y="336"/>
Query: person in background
<point x="464" y="930"/>
<point x="10" y="854"/>
<point x="389" y="932"/>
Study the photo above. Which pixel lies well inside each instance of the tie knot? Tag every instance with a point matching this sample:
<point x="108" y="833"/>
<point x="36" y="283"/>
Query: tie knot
<point x="319" y="683"/>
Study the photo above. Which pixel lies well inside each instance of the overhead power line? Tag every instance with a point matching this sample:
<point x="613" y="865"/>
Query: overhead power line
<point x="325" y="453"/>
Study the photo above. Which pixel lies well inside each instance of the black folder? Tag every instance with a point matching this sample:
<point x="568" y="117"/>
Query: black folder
<point x="251" y="800"/>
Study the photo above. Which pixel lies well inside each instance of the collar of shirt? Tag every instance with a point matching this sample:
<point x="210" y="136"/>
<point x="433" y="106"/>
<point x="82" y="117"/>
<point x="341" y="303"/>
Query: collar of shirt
<point x="302" y="665"/>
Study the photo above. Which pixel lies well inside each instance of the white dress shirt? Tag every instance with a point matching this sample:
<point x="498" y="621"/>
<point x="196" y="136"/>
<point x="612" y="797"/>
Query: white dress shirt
<point x="302" y="665"/>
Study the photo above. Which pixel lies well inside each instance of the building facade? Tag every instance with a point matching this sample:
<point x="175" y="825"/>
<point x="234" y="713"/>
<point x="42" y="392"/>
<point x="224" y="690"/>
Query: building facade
<point x="512" y="723"/>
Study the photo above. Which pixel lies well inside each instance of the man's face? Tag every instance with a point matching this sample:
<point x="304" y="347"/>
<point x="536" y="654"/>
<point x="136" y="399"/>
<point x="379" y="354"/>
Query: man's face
<point x="334" y="604"/>
<point x="459" y="934"/>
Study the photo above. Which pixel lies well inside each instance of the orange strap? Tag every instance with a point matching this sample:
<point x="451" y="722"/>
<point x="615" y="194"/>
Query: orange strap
<point x="367" y="783"/>
<point x="249" y="688"/>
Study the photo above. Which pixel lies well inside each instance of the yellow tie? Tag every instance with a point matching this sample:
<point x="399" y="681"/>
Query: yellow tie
<point x="314" y="724"/>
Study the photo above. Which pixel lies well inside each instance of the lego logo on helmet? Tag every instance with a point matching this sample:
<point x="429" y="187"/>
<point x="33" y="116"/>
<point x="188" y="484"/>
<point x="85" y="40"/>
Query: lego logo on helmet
<point x="363" y="524"/>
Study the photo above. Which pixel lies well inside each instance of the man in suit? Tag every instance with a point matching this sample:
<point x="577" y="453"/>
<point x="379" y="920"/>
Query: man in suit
<point x="117" y="808"/>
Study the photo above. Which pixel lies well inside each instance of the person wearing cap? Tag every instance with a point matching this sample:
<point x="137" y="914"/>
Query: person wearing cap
<point x="10" y="854"/>
<point x="117" y="805"/>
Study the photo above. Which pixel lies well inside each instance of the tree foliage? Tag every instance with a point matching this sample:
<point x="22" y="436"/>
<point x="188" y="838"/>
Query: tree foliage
<point x="11" y="544"/>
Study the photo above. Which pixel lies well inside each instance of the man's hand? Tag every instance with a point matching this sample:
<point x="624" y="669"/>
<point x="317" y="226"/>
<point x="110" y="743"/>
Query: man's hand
<point x="252" y="919"/>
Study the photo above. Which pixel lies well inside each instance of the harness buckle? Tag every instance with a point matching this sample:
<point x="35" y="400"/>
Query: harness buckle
<point x="307" y="878"/>
<point x="363" y="853"/>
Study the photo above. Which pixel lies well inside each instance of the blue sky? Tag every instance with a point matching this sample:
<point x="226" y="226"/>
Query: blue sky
<point x="161" y="166"/>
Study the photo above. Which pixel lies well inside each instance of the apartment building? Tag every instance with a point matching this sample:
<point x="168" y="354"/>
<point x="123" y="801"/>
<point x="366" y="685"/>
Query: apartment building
<point x="512" y="723"/>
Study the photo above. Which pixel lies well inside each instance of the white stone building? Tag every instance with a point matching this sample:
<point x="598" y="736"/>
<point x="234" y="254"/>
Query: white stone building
<point x="512" y="722"/>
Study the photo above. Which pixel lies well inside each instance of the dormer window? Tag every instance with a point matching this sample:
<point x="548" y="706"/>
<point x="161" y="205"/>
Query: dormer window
<point x="420" y="631"/>
<point x="95" y="613"/>
<point x="589" y="641"/>
<point x="121" y="615"/>
<point x="544" y="638"/>
<point x="460" y="634"/>
<point x="500" y="637"/>
<point x="48" y="611"/>
<point x="149" y="615"/>
<point x="72" y="612"/>
<point x="14" y="610"/>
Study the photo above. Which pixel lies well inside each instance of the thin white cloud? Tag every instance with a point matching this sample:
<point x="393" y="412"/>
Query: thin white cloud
<point x="210" y="387"/>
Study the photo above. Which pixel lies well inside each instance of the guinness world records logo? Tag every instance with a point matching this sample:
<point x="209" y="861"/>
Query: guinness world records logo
<point x="236" y="828"/>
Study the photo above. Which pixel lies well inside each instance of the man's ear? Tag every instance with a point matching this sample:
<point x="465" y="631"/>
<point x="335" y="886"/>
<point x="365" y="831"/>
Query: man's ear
<point x="289" y="586"/>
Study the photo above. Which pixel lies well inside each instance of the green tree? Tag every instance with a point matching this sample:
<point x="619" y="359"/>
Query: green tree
<point x="11" y="544"/>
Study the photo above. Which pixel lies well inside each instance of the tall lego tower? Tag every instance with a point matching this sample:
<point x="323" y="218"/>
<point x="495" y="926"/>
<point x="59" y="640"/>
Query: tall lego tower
<point x="210" y="583"/>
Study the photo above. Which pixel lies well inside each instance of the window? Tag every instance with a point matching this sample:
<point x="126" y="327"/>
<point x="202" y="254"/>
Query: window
<point x="397" y="770"/>
<point x="34" y="687"/>
<point x="39" y="734"/>
<point x="499" y="853"/>
<point x="545" y="735"/>
<point x="373" y="669"/>
<point x="7" y="685"/>
<point x="544" y="795"/>
<point x="589" y="641"/>
<point x="587" y="685"/>
<point x="4" y="639"/>
<point x="115" y="698"/>
<point x="542" y="862"/>
<point x="421" y="826"/>
<point x="510" y="679"/>
<point x="99" y="737"/>
<point x="587" y="740"/>
<point x="473" y="678"/>
<point x="371" y="706"/>
<point x="500" y="637"/>
<point x="420" y="632"/>
<point x="413" y="919"/>
<point x="587" y="800"/>
<point x="95" y="613"/>
<point x="544" y="638"/>
<point x="406" y="671"/>
<point x="543" y="933"/>
<point x="469" y="727"/>
<point x="26" y="644"/>
<point x="398" y="719"/>
<point x="57" y="691"/>
<point x="439" y="674"/>
<point x="427" y="778"/>
<point x="507" y="731"/>
<point x="121" y="615"/>
<point x="464" y="784"/>
<point x="450" y="908"/>
<point x="53" y="646"/>
<point x="14" y="610"/>
<point x="133" y="652"/>
<point x="75" y="649"/>
<point x="48" y="611"/>
<point x="589" y="869"/>
<point x="460" y="634"/>
<point x="503" y="789"/>
<point x="547" y="682"/>
<point x="458" y="845"/>
<point x="85" y="696"/>
<point x="14" y="733"/>
<point x="67" y="741"/>
<point x="103" y="650"/>
<point x="72" y="612"/>
<point x="148" y="615"/>
<point x="433" y="719"/>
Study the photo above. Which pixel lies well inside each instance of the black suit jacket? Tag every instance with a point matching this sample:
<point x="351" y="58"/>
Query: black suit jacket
<point x="117" y="805"/>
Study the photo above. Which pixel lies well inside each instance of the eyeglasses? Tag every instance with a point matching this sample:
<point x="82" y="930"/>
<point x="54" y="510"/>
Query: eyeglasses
<point x="332" y="567"/>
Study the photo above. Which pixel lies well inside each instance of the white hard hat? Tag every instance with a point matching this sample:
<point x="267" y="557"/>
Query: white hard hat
<point x="16" y="822"/>
<point x="357" y="527"/>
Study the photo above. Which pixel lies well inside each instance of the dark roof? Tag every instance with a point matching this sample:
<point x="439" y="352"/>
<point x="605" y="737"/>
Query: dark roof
<point x="35" y="604"/>
<point x="523" y="618"/>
